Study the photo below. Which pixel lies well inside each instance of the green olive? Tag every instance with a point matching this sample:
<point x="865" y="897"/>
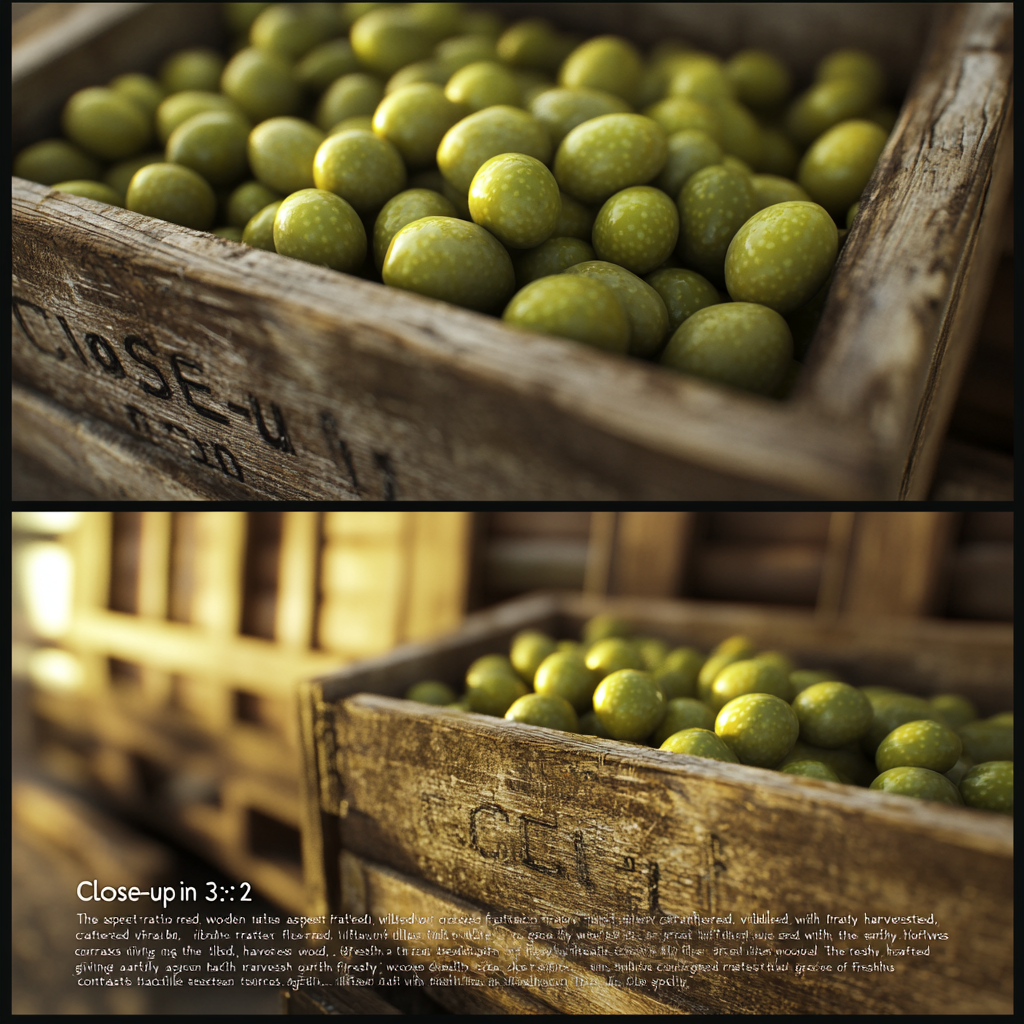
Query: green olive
<point x="289" y="30"/>
<point x="560" y="110"/>
<point x="832" y="714"/>
<point x="94" y="190"/>
<point x="803" y="321"/>
<point x="580" y="309"/>
<point x="648" y="318"/>
<point x="611" y="655"/>
<point x="145" y="92"/>
<point x="682" y="113"/>
<point x="324" y="64"/>
<point x="247" y="200"/>
<point x="533" y="43"/>
<point x="760" y="79"/>
<point x="239" y="17"/>
<point x="760" y="728"/>
<point x="199" y="68"/>
<point x="261" y="84"/>
<point x="453" y="54"/>
<point x="781" y="256"/>
<point x="921" y="783"/>
<point x="415" y="119"/>
<point x="105" y="123"/>
<point x="677" y="674"/>
<point x="989" y="787"/>
<point x="259" y="232"/>
<point x="362" y="168"/>
<point x="653" y="651"/>
<point x="213" y="145"/>
<point x="959" y="770"/>
<point x="174" y="193"/>
<point x="118" y="176"/>
<point x="430" y="691"/>
<point x="629" y="705"/>
<point x="683" y="292"/>
<point x="421" y="71"/>
<point x="437" y="20"/>
<point x="554" y="256"/>
<point x="810" y="770"/>
<point x="771" y="189"/>
<point x="637" y="228"/>
<point x="177" y="109"/>
<point x="609" y="63"/>
<point x="492" y="685"/>
<point x="281" y="152"/>
<point x="453" y="260"/>
<point x="741" y="134"/>
<point x="699" y="742"/>
<point x="741" y="344"/>
<point x="732" y="648"/>
<point x="954" y="709"/>
<point x="606" y="154"/>
<point x="689" y="151"/>
<point x="920" y="744"/>
<point x="987" y="741"/>
<point x="564" y="673"/>
<point x="849" y="763"/>
<point x="529" y="648"/>
<point x="748" y="676"/>
<point x="824" y="105"/>
<point x="575" y="220"/>
<point x="484" y="83"/>
<point x="590" y="725"/>
<point x="387" y="39"/>
<point x="802" y="678"/>
<point x="854" y="64"/>
<point x="349" y="96"/>
<point x="545" y="710"/>
<point x="838" y="165"/>
<point x="516" y="198"/>
<point x="702" y="76"/>
<point x="471" y="142"/>
<point x="403" y="209"/>
<point x="229" y="232"/>
<point x="778" y="154"/>
<point x="603" y="625"/>
<point x="683" y="713"/>
<point x="714" y="204"/>
<point x="319" y="227"/>
<point x="54" y="160"/>
<point x="890" y="710"/>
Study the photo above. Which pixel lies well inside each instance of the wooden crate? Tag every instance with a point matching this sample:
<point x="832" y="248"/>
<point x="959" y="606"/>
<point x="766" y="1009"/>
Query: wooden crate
<point x="191" y="631"/>
<point x="413" y="809"/>
<point x="180" y="365"/>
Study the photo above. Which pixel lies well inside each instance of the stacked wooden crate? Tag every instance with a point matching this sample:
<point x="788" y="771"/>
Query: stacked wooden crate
<point x="191" y="630"/>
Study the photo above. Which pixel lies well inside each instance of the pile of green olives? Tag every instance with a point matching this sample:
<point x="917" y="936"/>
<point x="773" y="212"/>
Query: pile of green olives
<point x="677" y="207"/>
<point x="742" y="706"/>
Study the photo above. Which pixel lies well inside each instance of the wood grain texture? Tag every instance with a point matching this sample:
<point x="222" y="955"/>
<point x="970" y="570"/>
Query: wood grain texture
<point x="292" y="382"/>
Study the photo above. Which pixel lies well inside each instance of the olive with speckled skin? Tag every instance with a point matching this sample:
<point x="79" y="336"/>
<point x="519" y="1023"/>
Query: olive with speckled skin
<point x="415" y="118"/>
<point x="637" y="228"/>
<point x="516" y="198"/>
<point x="453" y="260"/>
<point x="855" y="64"/>
<point x="702" y="77"/>
<point x="529" y="648"/>
<point x="324" y="64"/>
<point x="198" y="68"/>
<point x="105" y="123"/>
<point x="388" y="38"/>
<point x="118" y="176"/>
<point x="740" y="344"/>
<point x="921" y="744"/>
<point x="689" y="151"/>
<point x="290" y="30"/>
<point x="760" y="728"/>
<point x="699" y="742"/>
<point x="362" y="168"/>
<point x="609" y="63"/>
<point x="921" y="783"/>
<point x="213" y="145"/>
<point x="533" y="43"/>
<point x="612" y="655"/>
<point x="247" y="200"/>
<point x="987" y="740"/>
<point x="683" y="292"/>
<point x="781" y="256"/>
<point x="629" y="704"/>
<point x="954" y="709"/>
<point x="451" y="55"/>
<point x="179" y="108"/>
<point x="173" y="193"/>
<point x="832" y="714"/>
<point x="677" y="674"/>
<point x="575" y="220"/>
<point x="261" y="84"/>
<point x="484" y="83"/>
<point x="351" y="95"/>
<point x="492" y="685"/>
<point x="546" y="710"/>
<point x="771" y="189"/>
<point x="145" y="92"/>
<point x="95" y="190"/>
<point x="748" y="676"/>
<point x="554" y="256"/>
<point x="470" y="143"/>
<point x="890" y="710"/>
<point x="54" y="160"/>
<point x="760" y="79"/>
<point x="683" y="713"/>
<point x="802" y="678"/>
<point x="838" y="165"/>
<point x="560" y="110"/>
<point x="713" y="205"/>
<point x="281" y="152"/>
<point x="606" y="154"/>
<point x="810" y="770"/>
<point x="648" y="318"/>
<point x="580" y="309"/>
<point x="732" y="648"/>
<point x="590" y="725"/>
<point x="741" y="134"/>
<point x="565" y="674"/>
<point x="824" y="105"/>
<point x="413" y="204"/>
<point x="989" y="787"/>
<point x="259" y="231"/>
<point x="319" y="227"/>
<point x="850" y="765"/>
<point x="682" y="113"/>
<point x="431" y="691"/>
